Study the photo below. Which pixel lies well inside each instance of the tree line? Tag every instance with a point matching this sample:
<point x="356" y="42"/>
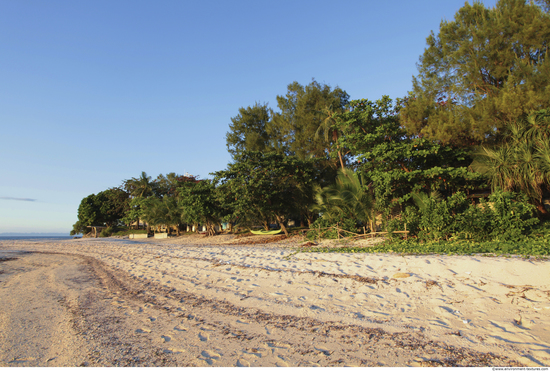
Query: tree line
<point x="476" y="121"/>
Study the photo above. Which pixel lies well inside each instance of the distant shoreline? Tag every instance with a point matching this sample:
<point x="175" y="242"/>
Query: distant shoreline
<point x="4" y="237"/>
<point x="23" y="234"/>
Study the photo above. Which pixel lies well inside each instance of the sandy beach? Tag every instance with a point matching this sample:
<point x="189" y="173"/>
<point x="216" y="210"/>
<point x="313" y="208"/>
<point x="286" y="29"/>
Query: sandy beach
<point x="218" y="301"/>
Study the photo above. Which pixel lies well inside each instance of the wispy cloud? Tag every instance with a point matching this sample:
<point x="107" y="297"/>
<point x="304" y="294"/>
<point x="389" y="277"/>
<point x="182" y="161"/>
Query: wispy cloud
<point x="18" y="199"/>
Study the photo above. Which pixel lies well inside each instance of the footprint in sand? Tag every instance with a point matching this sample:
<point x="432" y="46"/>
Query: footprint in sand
<point x="143" y="330"/>
<point x="22" y="359"/>
<point x="165" y="338"/>
<point x="203" y="336"/>
<point x="324" y="351"/>
<point x="243" y="363"/>
<point x="174" y="350"/>
<point x="152" y="319"/>
<point x="180" y="328"/>
<point x="210" y="354"/>
<point x="276" y="344"/>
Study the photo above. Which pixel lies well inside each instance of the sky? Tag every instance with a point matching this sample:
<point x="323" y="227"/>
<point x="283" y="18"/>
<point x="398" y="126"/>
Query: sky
<point x="94" y="92"/>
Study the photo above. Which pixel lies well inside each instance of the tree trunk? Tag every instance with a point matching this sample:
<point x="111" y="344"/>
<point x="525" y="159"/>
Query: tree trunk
<point x="335" y="138"/>
<point x="341" y="161"/>
<point x="210" y="230"/>
<point x="266" y="225"/>
<point x="281" y="224"/>
<point x="542" y="210"/>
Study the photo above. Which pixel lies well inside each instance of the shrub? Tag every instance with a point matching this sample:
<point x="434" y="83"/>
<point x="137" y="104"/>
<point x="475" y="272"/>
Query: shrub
<point x="324" y="228"/>
<point x="507" y="216"/>
<point x="107" y="232"/>
<point x="437" y="218"/>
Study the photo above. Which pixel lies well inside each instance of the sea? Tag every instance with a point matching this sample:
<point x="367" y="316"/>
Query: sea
<point x="37" y="237"/>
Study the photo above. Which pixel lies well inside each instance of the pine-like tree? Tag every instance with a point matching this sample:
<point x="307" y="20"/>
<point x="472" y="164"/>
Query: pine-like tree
<point x="482" y="71"/>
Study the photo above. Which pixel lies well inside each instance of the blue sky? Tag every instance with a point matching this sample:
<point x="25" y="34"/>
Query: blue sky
<point x="94" y="92"/>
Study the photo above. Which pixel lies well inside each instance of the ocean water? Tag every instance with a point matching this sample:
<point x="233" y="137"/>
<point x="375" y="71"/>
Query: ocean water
<point x="37" y="237"/>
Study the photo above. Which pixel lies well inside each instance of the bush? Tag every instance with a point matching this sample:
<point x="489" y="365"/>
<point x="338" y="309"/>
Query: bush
<point x="507" y="216"/>
<point x="437" y="218"/>
<point x="107" y="232"/>
<point x="324" y="228"/>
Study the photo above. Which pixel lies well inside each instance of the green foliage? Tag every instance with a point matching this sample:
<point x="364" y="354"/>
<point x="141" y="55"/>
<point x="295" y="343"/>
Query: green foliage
<point x="522" y="161"/>
<point x="135" y="210"/>
<point x="484" y="69"/>
<point x="261" y="187"/>
<point x="113" y="204"/>
<point x="140" y="187"/>
<point x="79" y="228"/>
<point x="504" y="217"/>
<point x="325" y="228"/>
<point x="437" y="217"/>
<point x="250" y="130"/>
<point x="106" y="208"/>
<point x="347" y="199"/>
<point x="301" y="115"/>
<point x="200" y="204"/>
<point x="107" y="232"/>
<point x="167" y="185"/>
<point x="396" y="164"/>
<point x="539" y="247"/>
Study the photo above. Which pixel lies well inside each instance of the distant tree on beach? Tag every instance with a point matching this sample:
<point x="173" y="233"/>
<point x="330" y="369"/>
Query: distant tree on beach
<point x="167" y="185"/>
<point x="199" y="204"/>
<point x="107" y="208"/>
<point x="262" y="187"/>
<point x="140" y="187"/>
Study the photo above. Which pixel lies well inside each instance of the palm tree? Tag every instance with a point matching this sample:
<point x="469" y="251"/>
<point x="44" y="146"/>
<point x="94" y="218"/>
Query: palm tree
<point x="153" y="212"/>
<point x="140" y="187"/>
<point x="328" y="127"/>
<point x="347" y="198"/>
<point x="422" y="200"/>
<point x="173" y="212"/>
<point x="522" y="161"/>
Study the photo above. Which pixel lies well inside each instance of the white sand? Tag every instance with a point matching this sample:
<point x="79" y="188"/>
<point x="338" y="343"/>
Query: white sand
<point x="481" y="304"/>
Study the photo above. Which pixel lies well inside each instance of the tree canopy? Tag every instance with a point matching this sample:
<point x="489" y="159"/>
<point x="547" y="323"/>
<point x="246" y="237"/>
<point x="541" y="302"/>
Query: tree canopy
<point x="484" y="69"/>
<point x="264" y="186"/>
<point x="249" y="130"/>
<point x="396" y="164"/>
<point x="302" y="111"/>
<point x="106" y="208"/>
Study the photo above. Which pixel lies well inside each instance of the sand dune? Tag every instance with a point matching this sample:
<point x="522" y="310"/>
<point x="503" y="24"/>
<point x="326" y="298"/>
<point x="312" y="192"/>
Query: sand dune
<point x="208" y="301"/>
